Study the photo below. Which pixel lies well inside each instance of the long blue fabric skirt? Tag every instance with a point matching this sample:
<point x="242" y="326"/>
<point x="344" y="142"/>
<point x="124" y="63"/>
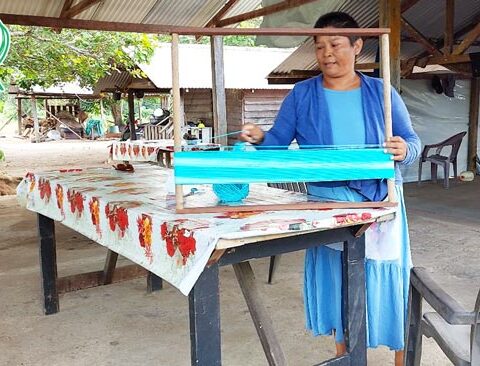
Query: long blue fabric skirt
<point x="387" y="270"/>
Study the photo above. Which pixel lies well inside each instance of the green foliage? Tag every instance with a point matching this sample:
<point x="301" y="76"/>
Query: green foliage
<point x="41" y="56"/>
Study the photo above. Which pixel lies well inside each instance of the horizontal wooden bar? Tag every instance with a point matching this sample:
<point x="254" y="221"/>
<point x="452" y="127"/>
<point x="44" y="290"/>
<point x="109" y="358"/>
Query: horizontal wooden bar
<point x="283" y="207"/>
<point x="170" y="29"/>
<point x="93" y="279"/>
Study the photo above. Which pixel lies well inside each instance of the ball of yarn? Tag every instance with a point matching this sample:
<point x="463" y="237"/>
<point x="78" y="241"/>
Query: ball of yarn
<point x="229" y="193"/>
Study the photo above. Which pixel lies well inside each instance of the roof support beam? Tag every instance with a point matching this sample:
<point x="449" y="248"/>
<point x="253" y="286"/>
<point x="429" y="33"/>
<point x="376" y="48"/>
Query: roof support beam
<point x="275" y="8"/>
<point x="407" y="4"/>
<point x="419" y="37"/>
<point x="449" y="26"/>
<point x="216" y="18"/>
<point x="193" y="31"/>
<point x="66" y="6"/>
<point x="468" y="40"/>
<point x="80" y="7"/>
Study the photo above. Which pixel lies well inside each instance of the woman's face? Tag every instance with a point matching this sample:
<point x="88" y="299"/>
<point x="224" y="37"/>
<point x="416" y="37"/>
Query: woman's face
<point x="336" y="55"/>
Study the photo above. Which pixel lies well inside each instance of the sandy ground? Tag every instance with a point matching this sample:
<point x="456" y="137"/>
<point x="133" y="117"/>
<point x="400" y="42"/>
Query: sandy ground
<point x="121" y="324"/>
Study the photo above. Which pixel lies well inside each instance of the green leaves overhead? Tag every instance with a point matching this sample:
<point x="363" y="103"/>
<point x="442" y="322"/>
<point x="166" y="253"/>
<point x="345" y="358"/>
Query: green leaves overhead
<point x="42" y="56"/>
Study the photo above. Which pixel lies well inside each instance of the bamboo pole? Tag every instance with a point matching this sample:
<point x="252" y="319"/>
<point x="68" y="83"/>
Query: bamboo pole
<point x="35" y="119"/>
<point x="177" y="128"/>
<point x="387" y="97"/>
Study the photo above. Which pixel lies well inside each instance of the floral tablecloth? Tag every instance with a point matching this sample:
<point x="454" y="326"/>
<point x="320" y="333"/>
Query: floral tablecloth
<point x="132" y="214"/>
<point x="143" y="150"/>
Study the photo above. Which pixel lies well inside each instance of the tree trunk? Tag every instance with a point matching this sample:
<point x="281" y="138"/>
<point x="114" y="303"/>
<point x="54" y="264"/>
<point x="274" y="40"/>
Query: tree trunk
<point x="116" y="113"/>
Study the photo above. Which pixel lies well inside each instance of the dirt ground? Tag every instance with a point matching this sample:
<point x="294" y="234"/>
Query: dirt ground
<point x="121" y="324"/>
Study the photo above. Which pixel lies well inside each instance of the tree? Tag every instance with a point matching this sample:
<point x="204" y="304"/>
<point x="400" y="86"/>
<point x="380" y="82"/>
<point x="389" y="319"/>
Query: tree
<point x="41" y="56"/>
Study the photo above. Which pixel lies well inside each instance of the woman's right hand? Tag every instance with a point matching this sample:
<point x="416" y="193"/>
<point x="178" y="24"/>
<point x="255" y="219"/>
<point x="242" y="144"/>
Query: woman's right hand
<point x="252" y="133"/>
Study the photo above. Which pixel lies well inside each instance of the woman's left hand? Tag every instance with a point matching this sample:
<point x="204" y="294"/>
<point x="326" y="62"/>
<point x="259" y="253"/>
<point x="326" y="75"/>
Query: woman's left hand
<point x="397" y="147"/>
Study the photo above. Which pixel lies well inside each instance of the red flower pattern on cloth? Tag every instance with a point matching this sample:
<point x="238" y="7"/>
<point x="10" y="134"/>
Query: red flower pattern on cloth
<point x="117" y="217"/>
<point x="44" y="189"/>
<point x="150" y="150"/>
<point x="116" y="150"/>
<point x="31" y="178"/>
<point x="136" y="150"/>
<point x="76" y="202"/>
<point x="94" y="206"/>
<point x="144" y="224"/>
<point x="144" y="151"/>
<point x="351" y="218"/>
<point x="178" y="238"/>
<point x="123" y="149"/>
<point x="59" y="195"/>
<point x="129" y="150"/>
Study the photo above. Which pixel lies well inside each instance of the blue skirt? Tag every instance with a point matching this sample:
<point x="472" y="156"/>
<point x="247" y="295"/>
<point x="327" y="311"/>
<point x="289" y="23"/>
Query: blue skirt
<point x="387" y="270"/>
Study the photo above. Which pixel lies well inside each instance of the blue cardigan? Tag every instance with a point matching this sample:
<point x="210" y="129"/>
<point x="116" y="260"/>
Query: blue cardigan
<point x="304" y="116"/>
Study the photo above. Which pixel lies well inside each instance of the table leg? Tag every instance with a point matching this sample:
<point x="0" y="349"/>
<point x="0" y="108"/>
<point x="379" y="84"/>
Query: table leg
<point x="109" y="268"/>
<point x="48" y="263"/>
<point x="204" y="309"/>
<point x="354" y="294"/>
<point x="154" y="283"/>
<point x="259" y="313"/>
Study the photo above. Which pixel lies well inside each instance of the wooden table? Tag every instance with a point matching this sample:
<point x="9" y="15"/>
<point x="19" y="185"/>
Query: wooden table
<point x="238" y="240"/>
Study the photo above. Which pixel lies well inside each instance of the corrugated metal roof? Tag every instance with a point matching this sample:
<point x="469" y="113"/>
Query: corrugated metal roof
<point x="244" y="67"/>
<point x="427" y="16"/>
<point x="164" y="12"/>
<point x="116" y="80"/>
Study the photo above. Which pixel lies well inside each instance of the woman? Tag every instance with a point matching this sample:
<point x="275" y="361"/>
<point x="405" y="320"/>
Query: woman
<point x="343" y="107"/>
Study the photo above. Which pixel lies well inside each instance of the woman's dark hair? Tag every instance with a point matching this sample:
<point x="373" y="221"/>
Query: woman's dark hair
<point x="337" y="19"/>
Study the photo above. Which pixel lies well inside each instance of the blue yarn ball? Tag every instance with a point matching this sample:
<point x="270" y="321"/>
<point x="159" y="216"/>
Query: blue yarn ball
<point x="229" y="193"/>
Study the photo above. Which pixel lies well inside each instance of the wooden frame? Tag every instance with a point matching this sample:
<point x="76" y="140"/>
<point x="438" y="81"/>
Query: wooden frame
<point x="383" y="33"/>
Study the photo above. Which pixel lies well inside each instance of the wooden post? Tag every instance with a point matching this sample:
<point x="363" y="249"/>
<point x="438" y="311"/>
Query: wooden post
<point x="131" y="116"/>
<point x="139" y="104"/>
<point x="19" y="115"/>
<point x="177" y="128"/>
<point x="449" y="27"/>
<point x="218" y="90"/>
<point x="390" y="17"/>
<point x="473" y="123"/>
<point x="385" y="66"/>
<point x="102" y="111"/>
<point x="35" y="118"/>
<point x="45" y="104"/>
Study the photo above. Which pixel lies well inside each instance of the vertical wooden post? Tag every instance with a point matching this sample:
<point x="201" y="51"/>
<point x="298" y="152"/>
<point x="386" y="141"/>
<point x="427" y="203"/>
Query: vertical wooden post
<point x="218" y="90"/>
<point x="19" y="115"/>
<point x="45" y="104"/>
<point x="131" y="116"/>
<point x="390" y="17"/>
<point x="102" y="111"/>
<point x="449" y="26"/>
<point x="387" y="97"/>
<point x="139" y="104"/>
<point x="177" y="128"/>
<point x="35" y="119"/>
<point x="473" y="123"/>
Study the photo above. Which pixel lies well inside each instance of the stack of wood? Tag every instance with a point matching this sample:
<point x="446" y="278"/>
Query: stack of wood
<point x="44" y="125"/>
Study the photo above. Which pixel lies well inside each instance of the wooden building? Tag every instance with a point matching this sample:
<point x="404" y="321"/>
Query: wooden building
<point x="249" y="97"/>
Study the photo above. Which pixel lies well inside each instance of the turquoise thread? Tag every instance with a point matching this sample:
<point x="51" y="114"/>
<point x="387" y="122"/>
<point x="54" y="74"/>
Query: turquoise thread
<point x="231" y="193"/>
<point x="265" y="166"/>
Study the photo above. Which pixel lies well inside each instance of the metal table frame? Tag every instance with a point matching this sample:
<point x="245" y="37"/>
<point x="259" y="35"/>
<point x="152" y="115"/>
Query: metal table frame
<point x="204" y="299"/>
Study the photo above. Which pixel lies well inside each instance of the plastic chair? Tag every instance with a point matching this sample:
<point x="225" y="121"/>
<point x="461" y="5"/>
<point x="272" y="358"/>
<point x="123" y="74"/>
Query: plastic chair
<point x="444" y="160"/>
<point x="455" y="330"/>
<point x="295" y="187"/>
